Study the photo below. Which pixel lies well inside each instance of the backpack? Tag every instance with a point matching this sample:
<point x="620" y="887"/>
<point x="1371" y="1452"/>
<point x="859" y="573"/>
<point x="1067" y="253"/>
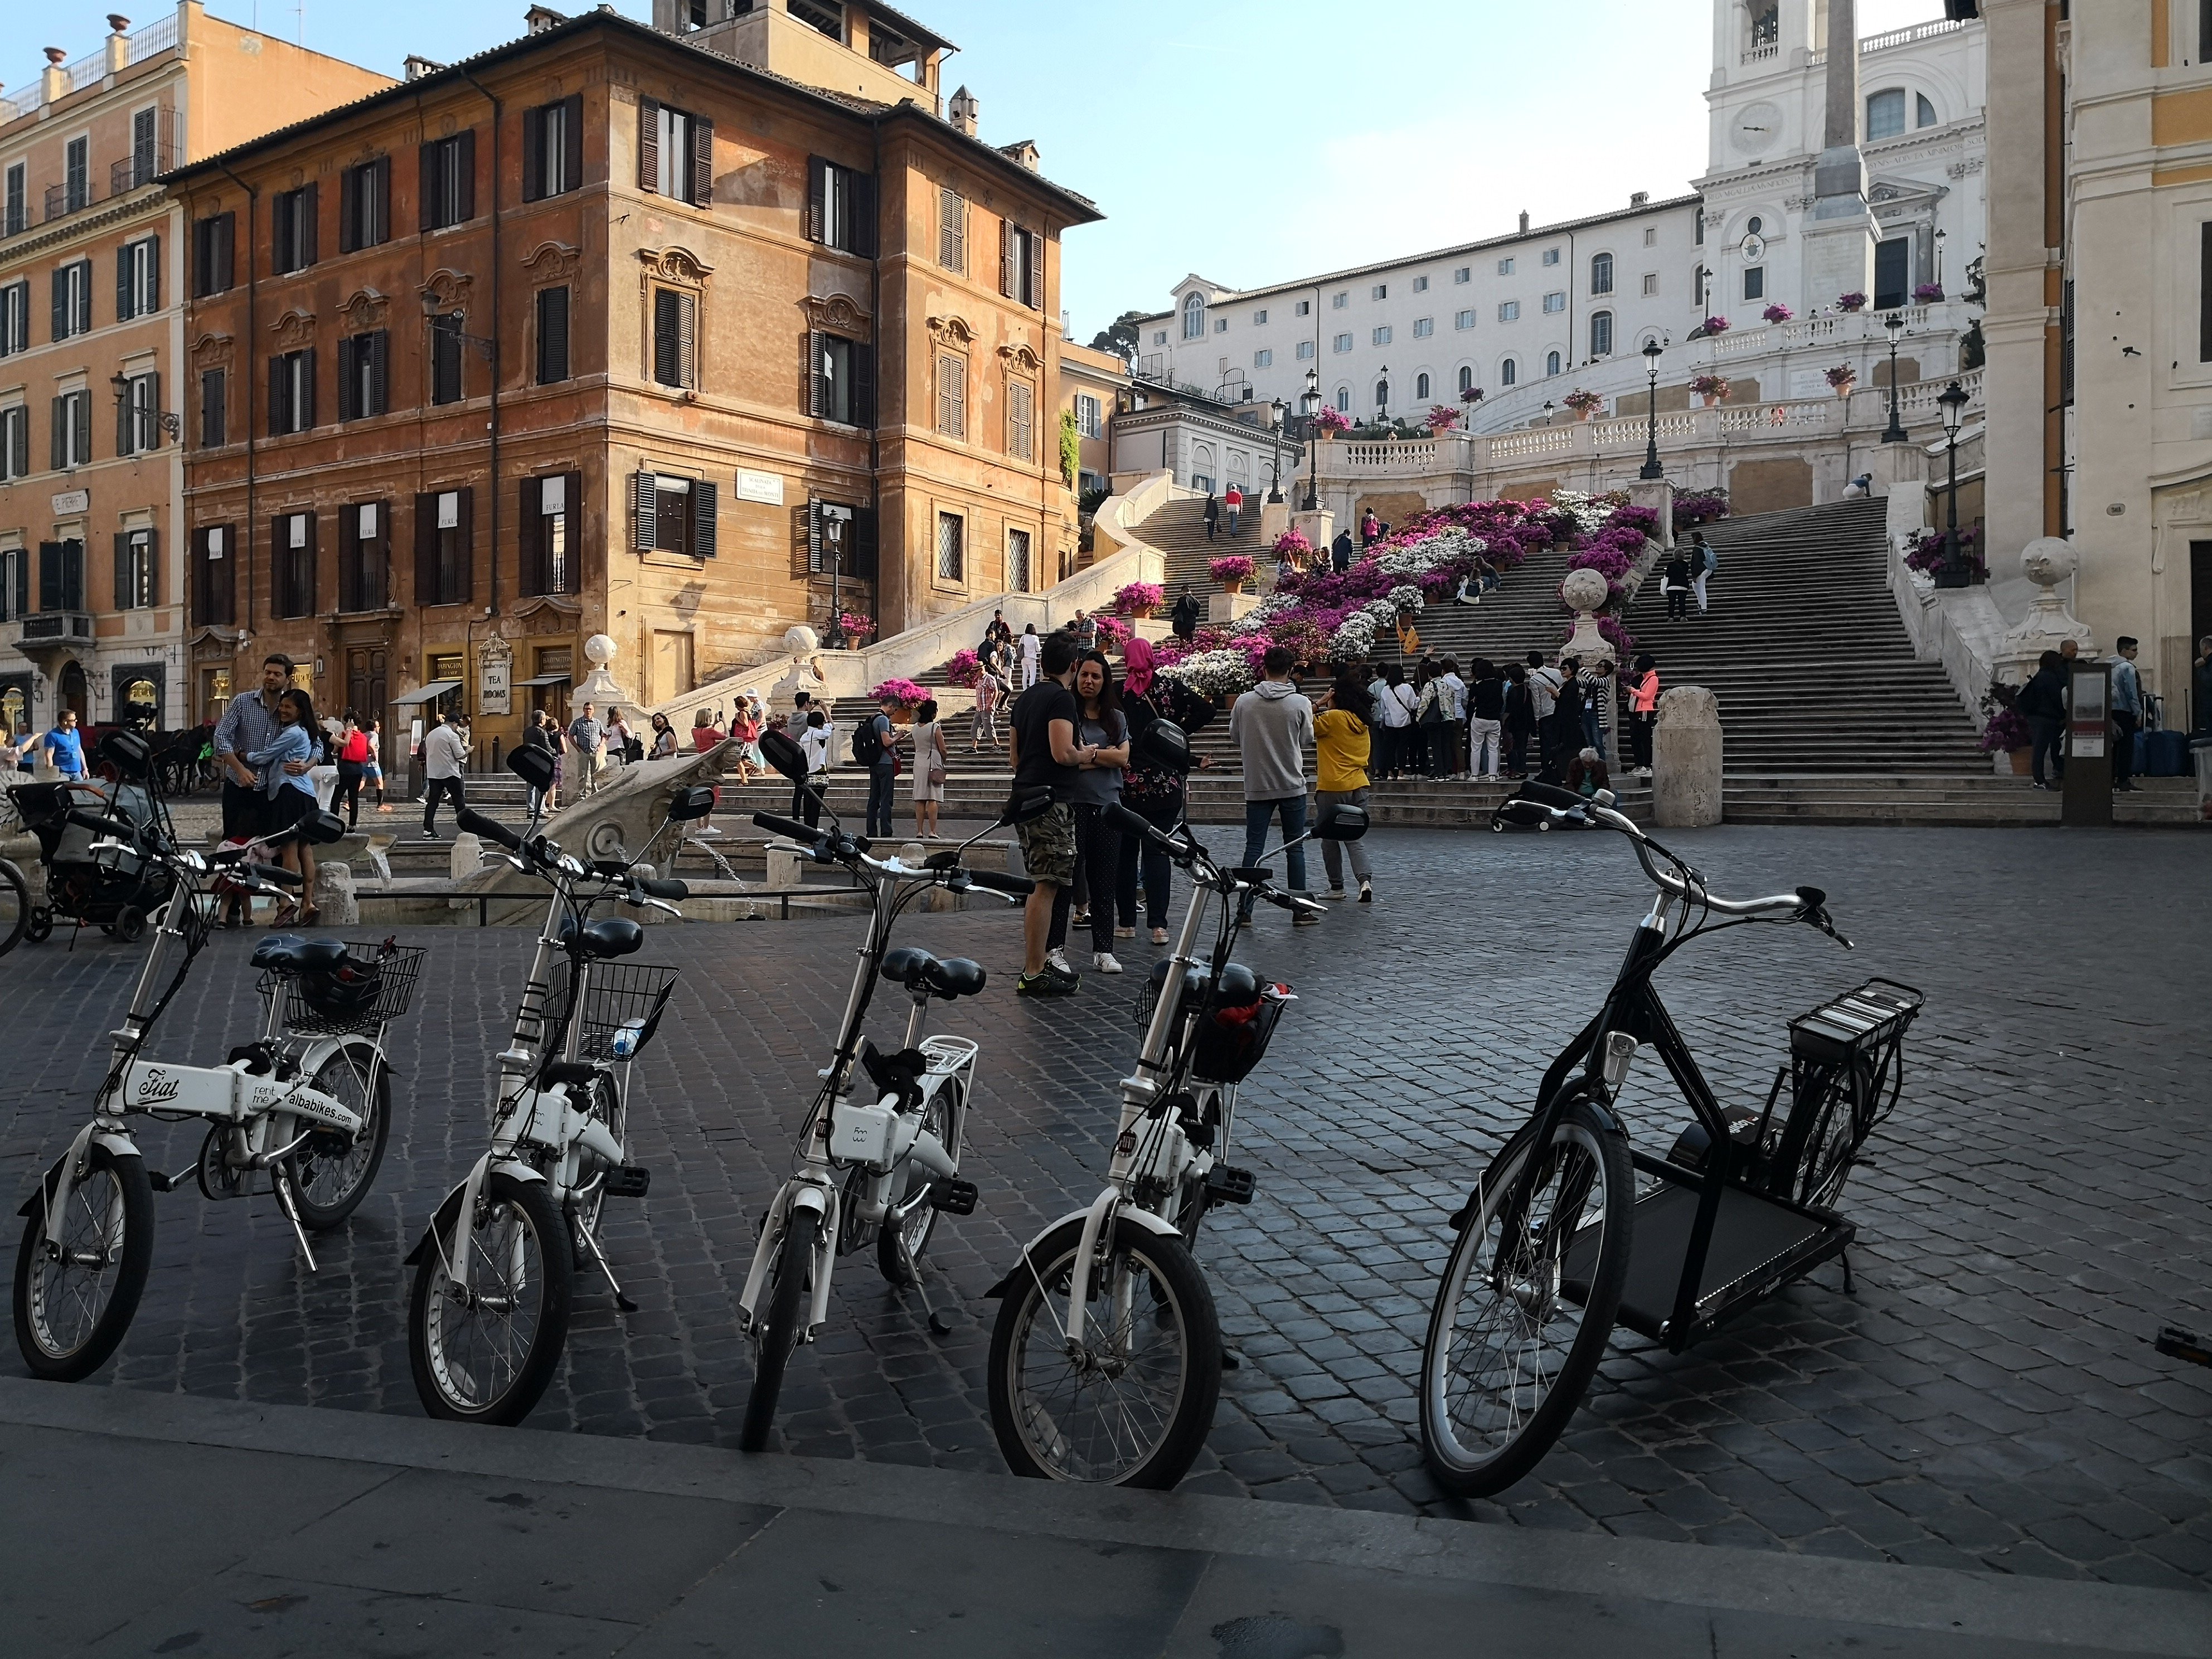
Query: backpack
<point x="867" y="742"/>
<point x="1706" y="562"/>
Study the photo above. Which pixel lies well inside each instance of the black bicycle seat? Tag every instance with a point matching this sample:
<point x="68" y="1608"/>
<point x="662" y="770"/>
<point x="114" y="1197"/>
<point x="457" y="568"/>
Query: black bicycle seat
<point x="291" y="953"/>
<point x="915" y="969"/>
<point x="573" y="1073"/>
<point x="610" y="936"/>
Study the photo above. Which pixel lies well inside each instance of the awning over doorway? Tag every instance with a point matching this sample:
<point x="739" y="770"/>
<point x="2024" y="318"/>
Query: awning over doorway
<point x="430" y="693"/>
<point x="544" y="679"/>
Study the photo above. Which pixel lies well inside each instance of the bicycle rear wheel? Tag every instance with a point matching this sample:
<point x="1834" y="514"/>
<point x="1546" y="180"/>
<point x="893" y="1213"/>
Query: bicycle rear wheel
<point x="331" y="1172"/>
<point x="1526" y="1306"/>
<point x="15" y="907"/>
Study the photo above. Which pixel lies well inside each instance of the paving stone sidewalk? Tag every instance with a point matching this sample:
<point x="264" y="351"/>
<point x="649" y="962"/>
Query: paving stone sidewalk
<point x="1987" y="1399"/>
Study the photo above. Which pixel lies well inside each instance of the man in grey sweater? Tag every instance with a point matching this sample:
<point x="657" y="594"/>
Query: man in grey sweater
<point x="1271" y="726"/>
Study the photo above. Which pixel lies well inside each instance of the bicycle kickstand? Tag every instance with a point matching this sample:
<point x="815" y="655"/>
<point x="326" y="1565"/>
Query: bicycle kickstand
<point x="599" y="1256"/>
<point x="938" y="1322"/>
<point x="1844" y="1256"/>
<point x="284" y="1202"/>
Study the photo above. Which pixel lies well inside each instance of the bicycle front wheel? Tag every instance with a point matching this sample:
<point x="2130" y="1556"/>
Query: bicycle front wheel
<point x="75" y="1301"/>
<point x="1133" y="1407"/>
<point x="15" y="907"/>
<point x="486" y="1355"/>
<point x="776" y="1336"/>
<point x="1526" y="1307"/>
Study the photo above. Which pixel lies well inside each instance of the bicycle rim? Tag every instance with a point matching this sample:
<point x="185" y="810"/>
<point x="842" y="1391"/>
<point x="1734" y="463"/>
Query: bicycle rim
<point x="1526" y="1308"/>
<point x="69" y="1296"/>
<point x="14" y="907"/>
<point x="329" y="1170"/>
<point x="1116" y="1412"/>
<point x="478" y="1350"/>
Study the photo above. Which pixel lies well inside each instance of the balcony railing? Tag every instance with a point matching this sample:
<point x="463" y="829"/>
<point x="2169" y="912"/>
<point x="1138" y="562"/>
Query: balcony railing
<point x="145" y="165"/>
<point x="65" y="199"/>
<point x="57" y="625"/>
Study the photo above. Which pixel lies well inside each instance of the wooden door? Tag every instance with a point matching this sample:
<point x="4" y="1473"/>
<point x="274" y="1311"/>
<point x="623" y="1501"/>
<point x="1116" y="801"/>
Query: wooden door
<point x="365" y="683"/>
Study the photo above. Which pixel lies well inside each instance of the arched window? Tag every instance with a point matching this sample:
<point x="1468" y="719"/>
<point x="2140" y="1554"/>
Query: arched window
<point x="1601" y="273"/>
<point x="1551" y="364"/>
<point x="1382" y="394"/>
<point x="1344" y="400"/>
<point x="1420" y="388"/>
<point x="1765" y="22"/>
<point x="1508" y="371"/>
<point x="1601" y="334"/>
<point x="1193" y="317"/>
<point x="1465" y="378"/>
<point x="1924" y="111"/>
<point x="1886" y="113"/>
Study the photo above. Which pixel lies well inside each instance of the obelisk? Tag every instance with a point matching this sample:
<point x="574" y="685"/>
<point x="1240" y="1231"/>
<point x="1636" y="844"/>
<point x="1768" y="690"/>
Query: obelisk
<point x="1840" y="234"/>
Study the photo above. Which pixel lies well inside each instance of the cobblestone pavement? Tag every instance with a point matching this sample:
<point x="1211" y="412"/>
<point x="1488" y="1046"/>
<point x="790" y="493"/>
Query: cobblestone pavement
<point x="1988" y="1398"/>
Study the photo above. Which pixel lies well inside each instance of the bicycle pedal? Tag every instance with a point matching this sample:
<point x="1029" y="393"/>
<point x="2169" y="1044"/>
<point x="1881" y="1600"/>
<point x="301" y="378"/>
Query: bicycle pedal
<point x="953" y="1197"/>
<point x="629" y="1180"/>
<point x="1226" y="1186"/>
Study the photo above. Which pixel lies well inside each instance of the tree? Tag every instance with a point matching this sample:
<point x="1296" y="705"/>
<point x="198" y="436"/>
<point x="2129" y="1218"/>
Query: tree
<point x="1121" y="338"/>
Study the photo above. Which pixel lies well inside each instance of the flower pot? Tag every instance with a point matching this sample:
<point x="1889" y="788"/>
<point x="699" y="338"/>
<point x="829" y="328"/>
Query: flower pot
<point x="2022" y="761"/>
<point x="1142" y="612"/>
<point x="1585" y="414"/>
<point x="1233" y="587"/>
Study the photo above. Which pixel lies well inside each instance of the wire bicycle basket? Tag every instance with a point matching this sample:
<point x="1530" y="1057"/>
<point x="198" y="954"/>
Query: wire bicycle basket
<point x="315" y="1005"/>
<point x="621" y="1009"/>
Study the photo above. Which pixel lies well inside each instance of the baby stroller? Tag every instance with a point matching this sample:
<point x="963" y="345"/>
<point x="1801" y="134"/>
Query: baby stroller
<point x="113" y="887"/>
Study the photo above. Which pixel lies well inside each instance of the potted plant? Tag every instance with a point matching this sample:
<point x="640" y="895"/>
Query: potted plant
<point x="905" y="693"/>
<point x="1140" y="598"/>
<point x="1710" y="387"/>
<point x="1584" y="404"/>
<point x="1231" y="572"/>
<point x="1777" y="312"/>
<point x="2007" y="733"/>
<point x="1928" y="294"/>
<point x="1715" y="325"/>
<point x="1843" y="377"/>
<point x="859" y="628"/>
<point x="1442" y="418"/>
<point x="1852" y="302"/>
<point x="1292" y="548"/>
<point x="1330" y="423"/>
<point x="965" y="670"/>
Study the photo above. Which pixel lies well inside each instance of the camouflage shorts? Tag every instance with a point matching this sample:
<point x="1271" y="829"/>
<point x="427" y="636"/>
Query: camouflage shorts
<point x="1048" y="846"/>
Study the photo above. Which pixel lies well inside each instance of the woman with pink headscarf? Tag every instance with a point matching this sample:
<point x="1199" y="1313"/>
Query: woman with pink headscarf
<point x="1146" y="695"/>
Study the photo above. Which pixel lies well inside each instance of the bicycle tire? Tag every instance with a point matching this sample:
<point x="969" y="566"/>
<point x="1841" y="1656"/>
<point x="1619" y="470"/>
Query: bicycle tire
<point x="445" y="1392"/>
<point x="921" y="1225"/>
<point x="40" y="926"/>
<point x="584" y="1214"/>
<point x="125" y="1197"/>
<point x="15" y="907"/>
<point x="320" y="1214"/>
<point x="787" y="1295"/>
<point x="1041" y="1442"/>
<point x="1586" y="1149"/>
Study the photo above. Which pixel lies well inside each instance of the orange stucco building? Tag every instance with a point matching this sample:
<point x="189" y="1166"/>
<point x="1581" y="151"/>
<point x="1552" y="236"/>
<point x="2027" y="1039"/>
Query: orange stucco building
<point x="91" y="337"/>
<point x="605" y="331"/>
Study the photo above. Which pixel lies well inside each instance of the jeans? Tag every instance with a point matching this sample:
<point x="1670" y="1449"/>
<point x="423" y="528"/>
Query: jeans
<point x="1333" y="853"/>
<point x="1592" y="738"/>
<point x="1138" y="851"/>
<point x="1444" y="747"/>
<point x="346" y="798"/>
<point x="1639" y="731"/>
<point x="882" y="787"/>
<point x="1232" y="519"/>
<point x="2123" y="748"/>
<point x="1482" y="748"/>
<point x="433" y="790"/>
<point x="2050" y="738"/>
<point x="1292" y="809"/>
<point x="1097" y="870"/>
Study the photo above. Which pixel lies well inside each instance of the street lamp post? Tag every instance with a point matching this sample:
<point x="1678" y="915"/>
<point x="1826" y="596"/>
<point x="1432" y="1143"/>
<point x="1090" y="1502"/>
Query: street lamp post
<point x="1953" y="571"/>
<point x="1276" y="411"/>
<point x="1548" y="407"/>
<point x="1310" y="406"/>
<point x="1383" y="402"/>
<point x="1652" y="351"/>
<point x="1895" y="433"/>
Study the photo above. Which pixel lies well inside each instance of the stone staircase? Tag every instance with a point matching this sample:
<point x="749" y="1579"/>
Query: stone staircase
<point x="1805" y="652"/>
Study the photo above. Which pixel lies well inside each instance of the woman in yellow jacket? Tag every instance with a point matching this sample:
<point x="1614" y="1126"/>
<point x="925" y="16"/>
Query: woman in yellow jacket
<point x="1342" y="742"/>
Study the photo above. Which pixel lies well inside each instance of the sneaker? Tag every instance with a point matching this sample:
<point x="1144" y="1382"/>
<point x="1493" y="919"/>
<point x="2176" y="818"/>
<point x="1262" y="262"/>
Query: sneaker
<point x="1045" y="984"/>
<point x="1159" y="936"/>
<point x="709" y="833"/>
<point x="1056" y="959"/>
<point x="1305" y="918"/>
<point x="1334" y="893"/>
<point x="1102" y="962"/>
<point x="1124" y="932"/>
<point x="1079" y="919"/>
<point x="1367" y="892"/>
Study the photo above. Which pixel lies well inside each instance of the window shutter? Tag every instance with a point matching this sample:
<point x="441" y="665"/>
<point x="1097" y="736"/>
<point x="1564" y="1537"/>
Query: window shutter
<point x="310" y="227"/>
<point x="1006" y="234"/>
<point x="817" y="198"/>
<point x="530" y="540"/>
<point x="1033" y="270"/>
<point x="687" y="339"/>
<point x="303" y="418"/>
<point x="814" y="561"/>
<point x="648" y="143"/>
<point x="124" y="313"/>
<point x="349" y="183"/>
<point x="702" y="162"/>
<point x="126" y="425"/>
<point x="306" y="569"/>
<point x="151" y="413"/>
<point x="533" y="155"/>
<point x="276" y="398"/>
<point x="645" y="495"/>
<point x="22" y="597"/>
<point x="863" y="214"/>
<point x="225" y="240"/>
<point x="572" y="141"/>
<point x="426" y="186"/>
<point x="202" y="246"/>
<point x="61" y="305"/>
<point x="817" y="401"/>
<point x="59" y="447"/>
<point x="379" y="200"/>
<point x="122" y="570"/>
<point x="154" y="567"/>
<point x="465" y="563"/>
<point x="50" y="575"/>
<point x="552" y="335"/>
<point x="213" y="414"/>
<point x="864" y="385"/>
<point x="347" y="409"/>
<point x="572" y="504"/>
<point x="379" y="363"/>
<point x="81" y="405"/>
<point x="705" y="497"/>
<point x="153" y="246"/>
<point x="20" y="442"/>
<point x="466" y="206"/>
<point x="425" y="549"/>
<point x="863" y="544"/>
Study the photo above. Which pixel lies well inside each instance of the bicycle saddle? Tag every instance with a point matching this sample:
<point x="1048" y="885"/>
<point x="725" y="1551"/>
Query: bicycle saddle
<point x="915" y="969"/>
<point x="610" y="936"/>
<point x="289" y="953"/>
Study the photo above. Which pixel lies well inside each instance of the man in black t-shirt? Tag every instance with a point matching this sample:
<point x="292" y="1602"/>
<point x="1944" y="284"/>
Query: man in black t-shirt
<point x="1046" y="755"/>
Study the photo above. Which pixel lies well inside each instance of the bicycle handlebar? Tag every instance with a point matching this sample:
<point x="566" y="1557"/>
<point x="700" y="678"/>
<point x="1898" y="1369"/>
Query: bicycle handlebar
<point x="489" y="828"/>
<point x="1013" y="886"/>
<point x="101" y="825"/>
<point x="790" y="827"/>
<point x="670" y="888"/>
<point x="269" y="873"/>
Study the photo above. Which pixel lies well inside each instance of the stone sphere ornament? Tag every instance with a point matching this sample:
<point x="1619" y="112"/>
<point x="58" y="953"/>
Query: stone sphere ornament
<point x="801" y="641"/>
<point x="1583" y="590"/>
<point x="600" y="650"/>
<point x="2048" y="561"/>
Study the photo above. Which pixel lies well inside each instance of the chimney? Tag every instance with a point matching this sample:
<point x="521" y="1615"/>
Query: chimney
<point x="118" y="42"/>
<point x="964" y="110"/>
<point x="1641" y="198"/>
<point x="539" y="19"/>
<point x="419" y="66"/>
<point x="1524" y="221"/>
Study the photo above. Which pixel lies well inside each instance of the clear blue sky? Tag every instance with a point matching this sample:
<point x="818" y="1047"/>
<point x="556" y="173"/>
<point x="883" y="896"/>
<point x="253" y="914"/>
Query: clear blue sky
<point x="1249" y="140"/>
